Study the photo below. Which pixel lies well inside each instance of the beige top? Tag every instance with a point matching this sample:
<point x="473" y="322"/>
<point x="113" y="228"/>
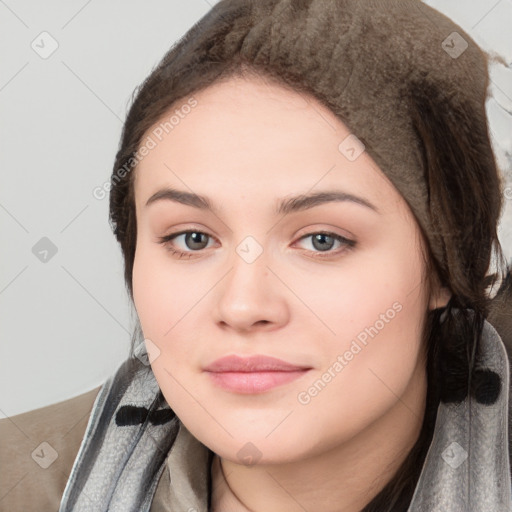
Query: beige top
<point x="38" y="449"/>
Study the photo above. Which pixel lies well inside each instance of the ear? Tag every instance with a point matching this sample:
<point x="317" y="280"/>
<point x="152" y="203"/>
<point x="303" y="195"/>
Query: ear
<point x="439" y="297"/>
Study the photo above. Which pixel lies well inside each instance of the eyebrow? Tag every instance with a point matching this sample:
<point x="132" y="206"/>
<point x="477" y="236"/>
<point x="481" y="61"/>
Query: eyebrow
<point x="293" y="204"/>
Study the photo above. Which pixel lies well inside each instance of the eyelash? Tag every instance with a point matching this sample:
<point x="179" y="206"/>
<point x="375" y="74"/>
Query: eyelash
<point x="349" y="244"/>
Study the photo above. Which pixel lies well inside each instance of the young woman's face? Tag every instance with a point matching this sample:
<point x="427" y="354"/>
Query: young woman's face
<point x="331" y="287"/>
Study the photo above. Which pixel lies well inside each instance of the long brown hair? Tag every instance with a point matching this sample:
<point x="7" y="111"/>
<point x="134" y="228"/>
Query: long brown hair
<point x="463" y="181"/>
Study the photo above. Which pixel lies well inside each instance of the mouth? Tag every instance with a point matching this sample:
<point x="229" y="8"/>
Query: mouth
<point x="253" y="382"/>
<point x="255" y="374"/>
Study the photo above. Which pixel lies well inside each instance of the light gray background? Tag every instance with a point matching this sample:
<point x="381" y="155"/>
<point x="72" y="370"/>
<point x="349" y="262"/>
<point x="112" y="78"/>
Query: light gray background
<point x="65" y="323"/>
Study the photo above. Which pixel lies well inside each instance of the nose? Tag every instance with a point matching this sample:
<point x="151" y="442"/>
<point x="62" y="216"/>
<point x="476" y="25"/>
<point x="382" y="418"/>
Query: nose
<point x="251" y="296"/>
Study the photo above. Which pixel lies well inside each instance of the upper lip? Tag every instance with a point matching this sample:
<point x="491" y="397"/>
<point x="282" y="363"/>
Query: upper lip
<point x="257" y="363"/>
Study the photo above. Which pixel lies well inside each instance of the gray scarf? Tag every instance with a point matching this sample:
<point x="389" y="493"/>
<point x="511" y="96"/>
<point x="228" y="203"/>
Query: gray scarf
<point x="131" y="431"/>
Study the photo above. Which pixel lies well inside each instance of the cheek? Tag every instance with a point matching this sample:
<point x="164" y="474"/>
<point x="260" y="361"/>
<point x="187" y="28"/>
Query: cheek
<point x="161" y="302"/>
<point x="374" y="310"/>
<point x="350" y="297"/>
<point x="160" y="292"/>
<point x="165" y="299"/>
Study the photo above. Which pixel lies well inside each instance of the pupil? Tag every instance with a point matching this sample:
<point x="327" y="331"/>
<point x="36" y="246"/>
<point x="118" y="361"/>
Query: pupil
<point x="195" y="238"/>
<point x="320" y="237"/>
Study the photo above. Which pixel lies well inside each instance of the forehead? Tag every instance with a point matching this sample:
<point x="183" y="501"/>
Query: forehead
<point x="255" y="135"/>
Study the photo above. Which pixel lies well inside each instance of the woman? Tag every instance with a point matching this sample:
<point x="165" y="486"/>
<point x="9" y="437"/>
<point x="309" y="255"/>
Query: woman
<point x="372" y="377"/>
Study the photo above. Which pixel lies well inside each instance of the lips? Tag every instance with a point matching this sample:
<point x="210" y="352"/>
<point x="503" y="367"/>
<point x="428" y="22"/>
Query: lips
<point x="258" y="363"/>
<point x="255" y="374"/>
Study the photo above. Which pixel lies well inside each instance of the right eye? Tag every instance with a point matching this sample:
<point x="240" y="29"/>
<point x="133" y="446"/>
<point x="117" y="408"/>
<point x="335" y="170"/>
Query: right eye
<point x="192" y="238"/>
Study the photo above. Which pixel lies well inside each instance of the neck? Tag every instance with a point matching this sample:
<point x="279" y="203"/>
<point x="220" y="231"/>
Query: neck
<point x="344" y="478"/>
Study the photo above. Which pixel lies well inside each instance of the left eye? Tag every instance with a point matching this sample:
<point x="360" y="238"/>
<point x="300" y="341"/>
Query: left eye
<point x="195" y="240"/>
<point x="324" y="241"/>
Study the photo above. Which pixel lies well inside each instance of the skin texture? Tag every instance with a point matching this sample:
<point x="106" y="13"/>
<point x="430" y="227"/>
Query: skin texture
<point x="246" y="145"/>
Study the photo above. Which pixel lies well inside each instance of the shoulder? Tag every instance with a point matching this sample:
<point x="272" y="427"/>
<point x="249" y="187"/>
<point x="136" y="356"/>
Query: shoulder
<point x="37" y="451"/>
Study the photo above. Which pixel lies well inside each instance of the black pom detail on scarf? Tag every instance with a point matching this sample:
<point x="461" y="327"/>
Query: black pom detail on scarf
<point x="161" y="416"/>
<point x="454" y="335"/>
<point x="486" y="386"/>
<point x="130" y="415"/>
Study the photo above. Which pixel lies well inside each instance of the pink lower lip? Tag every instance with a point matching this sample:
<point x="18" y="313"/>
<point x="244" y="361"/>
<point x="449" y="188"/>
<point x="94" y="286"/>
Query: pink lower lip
<point x="254" y="382"/>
